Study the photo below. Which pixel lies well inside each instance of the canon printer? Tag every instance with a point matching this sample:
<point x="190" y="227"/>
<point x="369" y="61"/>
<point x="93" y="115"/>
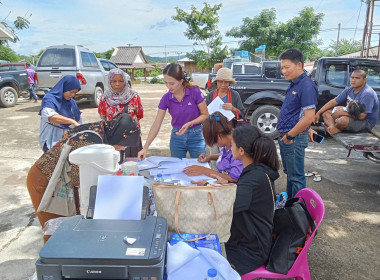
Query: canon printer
<point x="103" y="249"/>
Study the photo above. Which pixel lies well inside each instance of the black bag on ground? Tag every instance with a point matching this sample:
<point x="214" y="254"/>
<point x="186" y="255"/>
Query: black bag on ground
<point x="291" y="228"/>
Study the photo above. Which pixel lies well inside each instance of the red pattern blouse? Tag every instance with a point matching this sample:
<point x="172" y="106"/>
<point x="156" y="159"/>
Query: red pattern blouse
<point x="135" y="109"/>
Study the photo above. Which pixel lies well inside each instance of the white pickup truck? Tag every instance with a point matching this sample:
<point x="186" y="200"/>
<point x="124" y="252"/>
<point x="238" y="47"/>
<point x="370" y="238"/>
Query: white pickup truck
<point x="200" y="79"/>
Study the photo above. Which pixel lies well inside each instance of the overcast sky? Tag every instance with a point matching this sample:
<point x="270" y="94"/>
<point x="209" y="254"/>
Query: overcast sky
<point x="103" y="24"/>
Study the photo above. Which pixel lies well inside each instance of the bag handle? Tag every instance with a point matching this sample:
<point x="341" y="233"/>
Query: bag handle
<point x="176" y="218"/>
<point x="271" y="188"/>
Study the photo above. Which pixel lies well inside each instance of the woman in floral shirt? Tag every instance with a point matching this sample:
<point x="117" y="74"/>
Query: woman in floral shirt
<point x="119" y="98"/>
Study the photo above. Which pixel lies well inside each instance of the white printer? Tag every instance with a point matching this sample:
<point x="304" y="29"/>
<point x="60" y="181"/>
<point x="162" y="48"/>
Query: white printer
<point x="97" y="249"/>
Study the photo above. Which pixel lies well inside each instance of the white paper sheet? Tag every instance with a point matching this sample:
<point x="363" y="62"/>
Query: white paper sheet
<point x="145" y="164"/>
<point x="216" y="105"/>
<point x="119" y="197"/>
<point x="158" y="160"/>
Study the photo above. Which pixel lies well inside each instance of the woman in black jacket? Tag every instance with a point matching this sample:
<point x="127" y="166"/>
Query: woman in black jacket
<point x="251" y="230"/>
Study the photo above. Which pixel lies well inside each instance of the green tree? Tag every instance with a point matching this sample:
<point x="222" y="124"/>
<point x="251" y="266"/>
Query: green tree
<point x="98" y="55"/>
<point x="202" y="27"/>
<point x="299" y="32"/>
<point x="8" y="54"/>
<point x="344" y="46"/>
<point x="18" y="24"/>
<point x="109" y="53"/>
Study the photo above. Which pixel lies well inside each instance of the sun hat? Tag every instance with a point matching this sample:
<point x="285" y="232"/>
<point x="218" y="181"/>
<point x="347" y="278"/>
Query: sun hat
<point x="224" y="74"/>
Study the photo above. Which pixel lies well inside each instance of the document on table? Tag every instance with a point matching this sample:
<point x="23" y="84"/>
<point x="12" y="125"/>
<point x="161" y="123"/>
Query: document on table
<point x="216" y="105"/>
<point x="119" y="197"/>
<point x="159" y="160"/>
<point x="145" y="164"/>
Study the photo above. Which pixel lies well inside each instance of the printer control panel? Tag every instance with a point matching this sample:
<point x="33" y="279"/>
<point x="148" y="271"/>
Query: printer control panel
<point x="159" y="238"/>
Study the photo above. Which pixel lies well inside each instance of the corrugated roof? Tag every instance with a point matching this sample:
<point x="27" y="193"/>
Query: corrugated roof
<point x="125" y="57"/>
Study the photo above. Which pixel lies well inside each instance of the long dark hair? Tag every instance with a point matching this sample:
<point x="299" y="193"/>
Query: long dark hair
<point x="175" y="71"/>
<point x="215" y="125"/>
<point x="256" y="145"/>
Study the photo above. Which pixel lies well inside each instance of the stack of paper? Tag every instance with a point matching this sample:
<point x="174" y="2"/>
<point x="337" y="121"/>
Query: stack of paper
<point x="172" y="169"/>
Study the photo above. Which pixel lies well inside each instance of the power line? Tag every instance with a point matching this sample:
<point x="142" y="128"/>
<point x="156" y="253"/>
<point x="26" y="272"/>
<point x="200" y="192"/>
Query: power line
<point x="361" y="3"/>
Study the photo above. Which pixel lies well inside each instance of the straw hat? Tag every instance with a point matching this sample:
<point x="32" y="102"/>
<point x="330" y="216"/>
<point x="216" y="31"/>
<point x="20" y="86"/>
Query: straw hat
<point x="224" y="74"/>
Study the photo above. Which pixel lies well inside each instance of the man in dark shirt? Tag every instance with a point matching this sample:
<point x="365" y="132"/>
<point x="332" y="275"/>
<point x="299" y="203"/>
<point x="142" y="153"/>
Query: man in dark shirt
<point x="296" y="115"/>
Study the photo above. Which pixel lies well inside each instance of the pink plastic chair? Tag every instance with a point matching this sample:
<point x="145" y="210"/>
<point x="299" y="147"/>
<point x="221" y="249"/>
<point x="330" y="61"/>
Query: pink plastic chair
<point x="300" y="268"/>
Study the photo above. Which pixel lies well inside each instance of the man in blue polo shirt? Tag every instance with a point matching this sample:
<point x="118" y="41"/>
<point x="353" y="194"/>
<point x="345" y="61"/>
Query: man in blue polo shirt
<point x="342" y="119"/>
<point x="296" y="115"/>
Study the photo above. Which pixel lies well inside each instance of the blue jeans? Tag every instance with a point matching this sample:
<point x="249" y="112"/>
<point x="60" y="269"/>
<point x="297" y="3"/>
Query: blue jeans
<point x="293" y="161"/>
<point x="192" y="141"/>
<point x="32" y="94"/>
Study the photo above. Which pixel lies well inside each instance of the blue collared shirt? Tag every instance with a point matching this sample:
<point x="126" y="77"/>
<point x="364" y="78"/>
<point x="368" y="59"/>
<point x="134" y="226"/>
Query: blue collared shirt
<point x="301" y="95"/>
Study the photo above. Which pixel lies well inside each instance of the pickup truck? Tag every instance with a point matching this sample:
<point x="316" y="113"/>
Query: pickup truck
<point x="262" y="97"/>
<point x="12" y="84"/>
<point x="241" y="71"/>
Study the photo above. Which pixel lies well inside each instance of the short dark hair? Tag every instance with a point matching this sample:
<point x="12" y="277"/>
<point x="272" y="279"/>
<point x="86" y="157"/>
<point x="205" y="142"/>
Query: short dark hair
<point x="216" y="124"/>
<point x="256" y="145"/>
<point x="361" y="72"/>
<point x="294" y="55"/>
<point x="27" y="64"/>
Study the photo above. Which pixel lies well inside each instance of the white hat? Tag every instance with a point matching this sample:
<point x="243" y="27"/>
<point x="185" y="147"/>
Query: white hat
<point x="224" y="74"/>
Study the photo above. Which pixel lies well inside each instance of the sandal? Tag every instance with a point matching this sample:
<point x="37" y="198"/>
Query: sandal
<point x="308" y="174"/>
<point x="317" y="178"/>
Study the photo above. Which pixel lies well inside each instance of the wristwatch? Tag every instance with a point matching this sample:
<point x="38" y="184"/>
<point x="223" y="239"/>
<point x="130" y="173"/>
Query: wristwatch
<point x="289" y="137"/>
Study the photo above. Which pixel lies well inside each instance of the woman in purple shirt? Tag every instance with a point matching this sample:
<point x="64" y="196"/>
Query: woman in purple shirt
<point x="217" y="131"/>
<point x="186" y="104"/>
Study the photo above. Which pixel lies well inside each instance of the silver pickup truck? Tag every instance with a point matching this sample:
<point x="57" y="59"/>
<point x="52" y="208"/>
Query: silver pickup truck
<point x="58" y="61"/>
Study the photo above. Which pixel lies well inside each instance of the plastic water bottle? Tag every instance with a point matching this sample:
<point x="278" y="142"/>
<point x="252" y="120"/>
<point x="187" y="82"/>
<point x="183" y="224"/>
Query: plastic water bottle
<point x="212" y="274"/>
<point x="159" y="178"/>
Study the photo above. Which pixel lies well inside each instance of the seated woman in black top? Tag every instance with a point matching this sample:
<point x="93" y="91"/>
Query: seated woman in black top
<point x="252" y="223"/>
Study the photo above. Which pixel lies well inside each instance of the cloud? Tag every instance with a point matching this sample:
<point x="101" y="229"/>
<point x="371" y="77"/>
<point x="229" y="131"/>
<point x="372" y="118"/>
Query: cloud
<point x="159" y="25"/>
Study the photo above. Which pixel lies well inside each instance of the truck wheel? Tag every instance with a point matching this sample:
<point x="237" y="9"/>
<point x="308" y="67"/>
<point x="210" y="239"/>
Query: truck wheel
<point x="96" y="98"/>
<point x="266" y="118"/>
<point x="8" y="97"/>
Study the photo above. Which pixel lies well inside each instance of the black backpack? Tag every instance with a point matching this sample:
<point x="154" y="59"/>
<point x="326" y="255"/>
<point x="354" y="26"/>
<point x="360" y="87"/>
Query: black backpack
<point x="290" y="232"/>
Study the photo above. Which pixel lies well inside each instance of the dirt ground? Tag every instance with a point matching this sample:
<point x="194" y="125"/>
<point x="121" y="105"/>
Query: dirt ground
<point x="346" y="246"/>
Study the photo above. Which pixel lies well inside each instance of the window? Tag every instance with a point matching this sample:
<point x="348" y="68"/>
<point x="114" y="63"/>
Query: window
<point x="105" y="65"/>
<point x="18" y="67"/>
<point x="112" y="66"/>
<point x="237" y="69"/>
<point x="337" y="75"/>
<point x="252" y="69"/>
<point x="57" y="57"/>
<point x="373" y="75"/>
<point x="88" y="59"/>
<point x="272" y="70"/>
<point x="4" y="68"/>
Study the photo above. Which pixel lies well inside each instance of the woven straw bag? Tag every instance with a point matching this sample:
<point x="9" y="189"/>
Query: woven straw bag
<point x="196" y="210"/>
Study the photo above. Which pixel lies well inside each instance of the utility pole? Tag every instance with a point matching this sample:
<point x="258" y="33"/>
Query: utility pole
<point x="366" y="42"/>
<point x="178" y="53"/>
<point x="337" y="39"/>
<point x="365" y="31"/>
<point x="165" y="53"/>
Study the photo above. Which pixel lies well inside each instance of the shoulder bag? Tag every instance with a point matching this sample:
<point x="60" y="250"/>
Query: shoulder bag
<point x="196" y="209"/>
